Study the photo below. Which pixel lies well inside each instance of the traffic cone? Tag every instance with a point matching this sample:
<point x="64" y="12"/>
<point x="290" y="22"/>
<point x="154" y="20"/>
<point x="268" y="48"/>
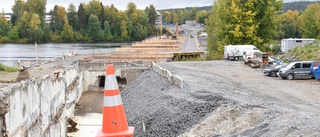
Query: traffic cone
<point x="114" y="118"/>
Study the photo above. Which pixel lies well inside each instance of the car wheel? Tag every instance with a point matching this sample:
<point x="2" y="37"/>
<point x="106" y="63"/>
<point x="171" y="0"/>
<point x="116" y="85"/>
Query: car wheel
<point x="273" y="74"/>
<point x="236" y="58"/>
<point x="289" y="76"/>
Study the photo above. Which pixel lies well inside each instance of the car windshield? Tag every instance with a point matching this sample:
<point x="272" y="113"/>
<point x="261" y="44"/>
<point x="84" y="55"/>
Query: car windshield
<point x="281" y="66"/>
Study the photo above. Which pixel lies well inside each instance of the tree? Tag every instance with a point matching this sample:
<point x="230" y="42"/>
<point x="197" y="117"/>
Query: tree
<point x="152" y="14"/>
<point x="107" y="31"/>
<point x="94" y="8"/>
<point x="174" y="17"/>
<point x="58" y="18"/>
<point x="37" y="7"/>
<point x="18" y="8"/>
<point x="193" y="14"/>
<point x="168" y="18"/>
<point x="34" y="29"/>
<point x="311" y="22"/>
<point x="124" y="32"/>
<point x="201" y="15"/>
<point x="290" y="24"/>
<point x="4" y="26"/>
<point x="82" y="17"/>
<point x="67" y="32"/>
<point x="238" y="22"/>
<point x="94" y="28"/>
<point x="72" y="16"/>
<point x="102" y="16"/>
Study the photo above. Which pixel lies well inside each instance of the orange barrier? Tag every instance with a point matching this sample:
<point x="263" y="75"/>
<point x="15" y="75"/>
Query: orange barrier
<point x="114" y="118"/>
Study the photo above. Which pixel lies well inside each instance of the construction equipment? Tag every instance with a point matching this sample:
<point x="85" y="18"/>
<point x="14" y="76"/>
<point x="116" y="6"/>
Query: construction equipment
<point x="174" y="34"/>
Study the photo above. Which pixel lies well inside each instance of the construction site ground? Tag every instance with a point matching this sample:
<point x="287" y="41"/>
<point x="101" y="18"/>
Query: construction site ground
<point x="219" y="98"/>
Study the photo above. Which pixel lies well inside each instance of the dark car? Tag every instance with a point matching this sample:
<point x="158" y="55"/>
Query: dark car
<point x="272" y="71"/>
<point x="298" y="69"/>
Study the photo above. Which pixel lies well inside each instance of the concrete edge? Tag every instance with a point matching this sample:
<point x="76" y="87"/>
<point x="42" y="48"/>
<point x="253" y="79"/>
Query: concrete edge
<point x="176" y="80"/>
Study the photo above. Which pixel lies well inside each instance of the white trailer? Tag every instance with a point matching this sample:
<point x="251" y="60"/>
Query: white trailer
<point x="236" y="52"/>
<point x="288" y="44"/>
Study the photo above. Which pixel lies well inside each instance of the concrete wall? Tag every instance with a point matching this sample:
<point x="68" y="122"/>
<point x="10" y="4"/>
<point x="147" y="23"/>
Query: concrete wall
<point x="167" y="74"/>
<point x="40" y="106"/>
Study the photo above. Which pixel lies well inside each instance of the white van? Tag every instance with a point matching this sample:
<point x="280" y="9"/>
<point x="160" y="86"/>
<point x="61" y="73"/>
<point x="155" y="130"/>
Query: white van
<point x="235" y="52"/>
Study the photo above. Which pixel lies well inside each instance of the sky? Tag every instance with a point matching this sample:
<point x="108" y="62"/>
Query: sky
<point x="6" y="5"/>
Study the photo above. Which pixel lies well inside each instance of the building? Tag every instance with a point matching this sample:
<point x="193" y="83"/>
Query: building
<point x="191" y="22"/>
<point x="48" y="19"/>
<point x="288" y="44"/>
<point x="159" y="19"/>
<point x="8" y="18"/>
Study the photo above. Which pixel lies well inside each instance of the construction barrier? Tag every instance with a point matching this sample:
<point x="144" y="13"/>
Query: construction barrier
<point x="114" y="118"/>
<point x="168" y="75"/>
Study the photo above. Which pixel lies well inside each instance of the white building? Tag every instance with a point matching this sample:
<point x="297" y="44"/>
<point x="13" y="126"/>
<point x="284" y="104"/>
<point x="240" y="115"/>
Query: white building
<point x="288" y="44"/>
<point x="47" y="19"/>
<point x="8" y="18"/>
<point x="159" y="19"/>
<point x="191" y="22"/>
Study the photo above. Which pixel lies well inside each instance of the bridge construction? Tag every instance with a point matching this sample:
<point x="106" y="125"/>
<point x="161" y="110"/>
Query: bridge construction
<point x="153" y="49"/>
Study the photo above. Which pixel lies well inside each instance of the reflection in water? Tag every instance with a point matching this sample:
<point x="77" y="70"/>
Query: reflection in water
<point x="10" y="54"/>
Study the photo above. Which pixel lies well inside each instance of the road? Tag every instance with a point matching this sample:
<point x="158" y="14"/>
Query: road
<point x="191" y="43"/>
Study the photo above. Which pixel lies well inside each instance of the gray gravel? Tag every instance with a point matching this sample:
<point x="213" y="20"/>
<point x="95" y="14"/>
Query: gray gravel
<point x="222" y="98"/>
<point x="163" y="108"/>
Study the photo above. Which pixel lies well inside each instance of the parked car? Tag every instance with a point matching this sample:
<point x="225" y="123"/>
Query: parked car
<point x="272" y="71"/>
<point x="295" y="70"/>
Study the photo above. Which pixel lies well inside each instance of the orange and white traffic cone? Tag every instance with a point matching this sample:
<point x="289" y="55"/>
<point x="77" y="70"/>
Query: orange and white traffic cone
<point x="114" y="118"/>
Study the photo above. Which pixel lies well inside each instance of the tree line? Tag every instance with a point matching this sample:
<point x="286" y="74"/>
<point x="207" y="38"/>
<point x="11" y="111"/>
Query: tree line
<point x="173" y="16"/>
<point x="91" y="22"/>
<point x="263" y="23"/>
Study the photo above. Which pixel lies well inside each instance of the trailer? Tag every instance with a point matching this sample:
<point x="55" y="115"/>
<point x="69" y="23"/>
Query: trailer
<point x="236" y="52"/>
<point x="288" y="44"/>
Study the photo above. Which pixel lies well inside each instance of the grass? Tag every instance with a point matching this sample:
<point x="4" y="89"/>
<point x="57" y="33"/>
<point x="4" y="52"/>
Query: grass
<point x="307" y="52"/>
<point x="8" y="69"/>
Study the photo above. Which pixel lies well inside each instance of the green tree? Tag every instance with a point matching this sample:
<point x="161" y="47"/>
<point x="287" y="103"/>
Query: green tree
<point x="310" y="24"/>
<point x="18" y="8"/>
<point x="4" y="26"/>
<point x="201" y="15"/>
<point x="37" y="7"/>
<point x="58" y="18"/>
<point x="168" y="16"/>
<point x="152" y="14"/>
<point x="240" y="22"/>
<point x="290" y="24"/>
<point x="34" y="32"/>
<point x="102" y="16"/>
<point x="72" y="16"/>
<point x="107" y="31"/>
<point x="67" y="32"/>
<point x="94" y="8"/>
<point x="124" y="32"/>
<point x="112" y="18"/>
<point x="193" y="14"/>
<point x="82" y="17"/>
<point x="94" y="28"/>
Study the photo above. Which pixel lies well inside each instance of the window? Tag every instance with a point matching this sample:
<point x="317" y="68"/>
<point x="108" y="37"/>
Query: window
<point x="298" y="40"/>
<point x="297" y="65"/>
<point x="306" y="65"/>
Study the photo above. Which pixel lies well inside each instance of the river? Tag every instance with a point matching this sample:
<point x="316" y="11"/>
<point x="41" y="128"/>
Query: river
<point x="10" y="54"/>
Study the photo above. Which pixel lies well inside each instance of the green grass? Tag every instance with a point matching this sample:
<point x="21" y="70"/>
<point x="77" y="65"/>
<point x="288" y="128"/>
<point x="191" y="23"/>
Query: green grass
<point x="307" y="52"/>
<point x="8" y="69"/>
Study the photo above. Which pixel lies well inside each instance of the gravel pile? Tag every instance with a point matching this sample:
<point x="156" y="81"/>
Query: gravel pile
<point x="156" y="107"/>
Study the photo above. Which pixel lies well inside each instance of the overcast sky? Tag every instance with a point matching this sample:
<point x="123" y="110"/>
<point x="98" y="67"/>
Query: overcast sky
<point x="6" y="5"/>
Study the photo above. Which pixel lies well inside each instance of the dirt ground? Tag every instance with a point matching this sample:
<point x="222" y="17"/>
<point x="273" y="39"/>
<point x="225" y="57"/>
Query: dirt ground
<point x="219" y="98"/>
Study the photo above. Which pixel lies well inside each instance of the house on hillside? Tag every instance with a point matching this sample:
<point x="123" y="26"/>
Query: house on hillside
<point x="288" y="44"/>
